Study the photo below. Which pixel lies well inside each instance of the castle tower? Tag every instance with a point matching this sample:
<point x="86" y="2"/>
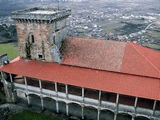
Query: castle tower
<point x="41" y="32"/>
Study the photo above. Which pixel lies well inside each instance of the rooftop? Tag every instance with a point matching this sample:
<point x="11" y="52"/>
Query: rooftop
<point x="123" y="57"/>
<point x="41" y="13"/>
<point x="119" y="67"/>
<point x="144" y="87"/>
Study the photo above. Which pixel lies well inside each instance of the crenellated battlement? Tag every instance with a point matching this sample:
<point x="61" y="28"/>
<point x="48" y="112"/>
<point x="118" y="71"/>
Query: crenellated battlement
<point x="41" y="14"/>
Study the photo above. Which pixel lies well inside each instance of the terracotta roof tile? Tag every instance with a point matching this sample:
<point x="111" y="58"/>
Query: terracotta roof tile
<point x="134" y="62"/>
<point x="111" y="56"/>
<point x="96" y="54"/>
<point x="126" y="84"/>
<point x="89" y="62"/>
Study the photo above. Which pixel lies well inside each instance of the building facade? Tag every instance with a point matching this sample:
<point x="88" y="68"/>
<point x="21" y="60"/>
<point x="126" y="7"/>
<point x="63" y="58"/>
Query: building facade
<point x="87" y="78"/>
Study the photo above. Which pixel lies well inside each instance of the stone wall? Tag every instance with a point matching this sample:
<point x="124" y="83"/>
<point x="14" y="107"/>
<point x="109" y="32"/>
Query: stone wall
<point x="41" y="32"/>
<point x="48" y="38"/>
<point x="41" y="39"/>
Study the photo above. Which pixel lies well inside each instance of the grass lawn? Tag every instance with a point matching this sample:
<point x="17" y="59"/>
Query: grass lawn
<point x="10" y="49"/>
<point x="153" y="46"/>
<point x="28" y="115"/>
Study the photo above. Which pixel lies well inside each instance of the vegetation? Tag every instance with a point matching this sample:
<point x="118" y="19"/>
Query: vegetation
<point x="2" y="96"/>
<point x="153" y="46"/>
<point x="10" y="49"/>
<point x="154" y="33"/>
<point x="28" y="115"/>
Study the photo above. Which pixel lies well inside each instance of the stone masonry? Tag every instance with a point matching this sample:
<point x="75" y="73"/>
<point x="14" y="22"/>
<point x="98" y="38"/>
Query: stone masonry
<point x="41" y="32"/>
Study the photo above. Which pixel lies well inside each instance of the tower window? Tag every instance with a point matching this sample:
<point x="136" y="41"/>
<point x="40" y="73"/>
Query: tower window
<point x="40" y="56"/>
<point x="32" y="38"/>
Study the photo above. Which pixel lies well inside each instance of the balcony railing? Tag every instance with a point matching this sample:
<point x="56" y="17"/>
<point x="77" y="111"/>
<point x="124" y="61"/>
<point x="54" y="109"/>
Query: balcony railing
<point x="82" y="100"/>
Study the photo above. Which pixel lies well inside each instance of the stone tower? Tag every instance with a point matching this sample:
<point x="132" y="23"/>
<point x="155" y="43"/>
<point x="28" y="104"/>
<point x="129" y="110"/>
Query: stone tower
<point x="41" y="32"/>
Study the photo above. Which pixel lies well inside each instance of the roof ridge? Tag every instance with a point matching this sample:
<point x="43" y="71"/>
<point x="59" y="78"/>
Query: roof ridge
<point x="145" y="58"/>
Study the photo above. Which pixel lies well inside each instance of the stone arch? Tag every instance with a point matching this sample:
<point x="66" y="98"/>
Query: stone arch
<point x="140" y="117"/>
<point x="31" y="93"/>
<point x="124" y="116"/>
<point x="31" y="38"/>
<point x="123" y="112"/>
<point x="73" y="102"/>
<point x="20" y="90"/>
<point x="90" y="112"/>
<point x="50" y="97"/>
<point x="62" y="106"/>
<point x="91" y="106"/>
<point x="29" y="41"/>
<point x="21" y="95"/>
<point x="75" y="109"/>
<point x="35" y="99"/>
<point x="49" y="103"/>
<point x="107" y="109"/>
<point x="106" y="114"/>
<point x="61" y="100"/>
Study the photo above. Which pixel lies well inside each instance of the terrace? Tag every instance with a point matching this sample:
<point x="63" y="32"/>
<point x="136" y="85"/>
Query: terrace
<point x="102" y="100"/>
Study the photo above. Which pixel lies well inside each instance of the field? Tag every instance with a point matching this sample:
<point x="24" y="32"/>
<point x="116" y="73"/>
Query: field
<point x="10" y="48"/>
<point x="28" y="115"/>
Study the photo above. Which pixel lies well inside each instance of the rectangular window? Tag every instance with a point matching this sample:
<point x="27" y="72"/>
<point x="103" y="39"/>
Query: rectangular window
<point x="40" y="56"/>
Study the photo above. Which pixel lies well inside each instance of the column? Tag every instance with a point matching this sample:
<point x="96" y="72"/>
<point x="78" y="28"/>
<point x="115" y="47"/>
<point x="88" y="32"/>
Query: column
<point x="98" y="114"/>
<point x="83" y="94"/>
<point x="154" y="107"/>
<point x="57" y="107"/>
<point x="135" y="104"/>
<point x="115" y="116"/>
<point x="11" y="78"/>
<point x="29" y="104"/>
<point x="117" y="99"/>
<point x="133" y="116"/>
<point x="66" y="90"/>
<point x="99" y="99"/>
<point x="82" y="111"/>
<point x="56" y="88"/>
<point x="116" y="109"/>
<point x="13" y="93"/>
<point x="12" y="86"/>
<point x="99" y="104"/>
<point x="42" y="102"/>
<point x="25" y="81"/>
<point x="40" y="87"/>
<point x="67" y="109"/>
<point x="7" y="93"/>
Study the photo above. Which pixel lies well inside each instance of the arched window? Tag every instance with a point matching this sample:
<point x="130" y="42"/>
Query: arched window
<point x="32" y="38"/>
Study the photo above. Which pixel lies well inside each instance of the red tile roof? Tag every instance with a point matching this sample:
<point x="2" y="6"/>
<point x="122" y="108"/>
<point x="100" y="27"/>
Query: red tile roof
<point x="145" y="87"/>
<point x="92" y="53"/>
<point x="124" y="57"/>
<point x="112" y="66"/>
